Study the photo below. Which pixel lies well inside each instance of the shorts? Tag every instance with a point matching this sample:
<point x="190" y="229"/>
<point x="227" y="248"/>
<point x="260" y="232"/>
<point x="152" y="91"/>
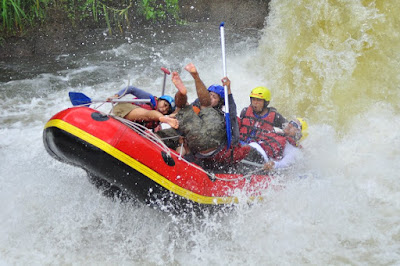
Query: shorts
<point x="123" y="109"/>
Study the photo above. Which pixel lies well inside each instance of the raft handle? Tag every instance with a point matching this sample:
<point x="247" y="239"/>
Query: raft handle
<point x="167" y="159"/>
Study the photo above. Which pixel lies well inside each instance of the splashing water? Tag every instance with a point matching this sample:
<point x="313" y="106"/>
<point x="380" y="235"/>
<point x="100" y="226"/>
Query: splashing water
<point x="333" y="62"/>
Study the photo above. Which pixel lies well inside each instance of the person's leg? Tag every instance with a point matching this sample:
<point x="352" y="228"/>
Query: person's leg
<point x="180" y="96"/>
<point x="202" y="92"/>
<point x="122" y="109"/>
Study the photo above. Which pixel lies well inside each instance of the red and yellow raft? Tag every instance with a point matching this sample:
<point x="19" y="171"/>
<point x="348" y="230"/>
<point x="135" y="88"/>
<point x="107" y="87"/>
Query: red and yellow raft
<point x="116" y="153"/>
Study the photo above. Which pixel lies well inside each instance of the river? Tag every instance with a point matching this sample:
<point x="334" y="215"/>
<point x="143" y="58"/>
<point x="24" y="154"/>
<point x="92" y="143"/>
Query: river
<point x="336" y="63"/>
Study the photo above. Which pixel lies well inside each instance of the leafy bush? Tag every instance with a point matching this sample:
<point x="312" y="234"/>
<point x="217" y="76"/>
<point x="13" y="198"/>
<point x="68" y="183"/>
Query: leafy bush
<point x="18" y="15"/>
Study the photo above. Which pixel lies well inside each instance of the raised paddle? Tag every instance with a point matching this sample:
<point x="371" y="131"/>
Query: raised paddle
<point x="227" y="119"/>
<point x="166" y="72"/>
<point x="80" y="99"/>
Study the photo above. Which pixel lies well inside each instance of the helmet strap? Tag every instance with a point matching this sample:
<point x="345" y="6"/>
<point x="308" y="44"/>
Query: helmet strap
<point x="221" y="102"/>
<point x="266" y="103"/>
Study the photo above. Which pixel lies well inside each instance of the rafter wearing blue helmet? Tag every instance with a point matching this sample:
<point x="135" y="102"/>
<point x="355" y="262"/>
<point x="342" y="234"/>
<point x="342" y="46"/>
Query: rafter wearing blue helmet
<point x="150" y="115"/>
<point x="171" y="102"/>
<point x="217" y="95"/>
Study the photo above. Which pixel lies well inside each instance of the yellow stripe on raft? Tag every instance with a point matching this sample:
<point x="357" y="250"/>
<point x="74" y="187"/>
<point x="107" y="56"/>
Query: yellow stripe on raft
<point x="159" y="179"/>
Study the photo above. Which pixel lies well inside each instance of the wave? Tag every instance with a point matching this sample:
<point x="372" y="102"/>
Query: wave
<point x="331" y="60"/>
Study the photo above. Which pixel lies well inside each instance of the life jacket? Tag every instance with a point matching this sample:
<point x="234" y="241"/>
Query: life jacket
<point x="221" y="158"/>
<point x="274" y="145"/>
<point x="233" y="155"/>
<point x="253" y="128"/>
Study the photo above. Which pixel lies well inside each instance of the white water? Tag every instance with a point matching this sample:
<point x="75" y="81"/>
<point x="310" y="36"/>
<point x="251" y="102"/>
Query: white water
<point x="344" y="212"/>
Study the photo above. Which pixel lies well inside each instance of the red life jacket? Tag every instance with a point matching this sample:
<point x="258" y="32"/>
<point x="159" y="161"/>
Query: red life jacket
<point x="254" y="128"/>
<point x="274" y="145"/>
<point x="234" y="155"/>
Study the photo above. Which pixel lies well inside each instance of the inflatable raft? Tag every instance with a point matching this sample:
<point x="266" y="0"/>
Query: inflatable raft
<point x="126" y="156"/>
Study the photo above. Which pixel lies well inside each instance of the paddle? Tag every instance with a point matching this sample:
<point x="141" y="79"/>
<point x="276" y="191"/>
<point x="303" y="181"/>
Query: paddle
<point x="166" y="72"/>
<point x="227" y="119"/>
<point x="78" y="98"/>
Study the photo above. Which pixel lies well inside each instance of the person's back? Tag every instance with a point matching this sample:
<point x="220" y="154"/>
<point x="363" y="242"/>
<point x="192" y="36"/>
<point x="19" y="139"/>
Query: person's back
<point x="205" y="129"/>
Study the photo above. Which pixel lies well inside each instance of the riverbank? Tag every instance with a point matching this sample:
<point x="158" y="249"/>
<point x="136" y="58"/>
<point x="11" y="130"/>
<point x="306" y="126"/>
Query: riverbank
<point x="60" y="36"/>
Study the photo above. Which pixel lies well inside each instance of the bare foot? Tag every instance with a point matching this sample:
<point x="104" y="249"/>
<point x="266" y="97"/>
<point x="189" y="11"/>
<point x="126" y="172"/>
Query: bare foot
<point x="170" y="121"/>
<point x="191" y="68"/>
<point x="176" y="79"/>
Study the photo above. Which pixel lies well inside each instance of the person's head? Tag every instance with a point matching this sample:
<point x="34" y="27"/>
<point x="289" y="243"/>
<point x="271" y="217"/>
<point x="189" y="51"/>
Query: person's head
<point x="259" y="99"/>
<point x="217" y="95"/>
<point x="166" y="104"/>
<point x="297" y="128"/>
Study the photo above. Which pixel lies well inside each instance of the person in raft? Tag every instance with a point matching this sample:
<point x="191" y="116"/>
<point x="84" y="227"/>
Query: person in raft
<point x="151" y="114"/>
<point x="258" y="120"/>
<point x="204" y="133"/>
<point x="202" y="123"/>
<point x="281" y="150"/>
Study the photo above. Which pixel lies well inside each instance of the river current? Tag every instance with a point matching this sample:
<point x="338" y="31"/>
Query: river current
<point x="336" y="63"/>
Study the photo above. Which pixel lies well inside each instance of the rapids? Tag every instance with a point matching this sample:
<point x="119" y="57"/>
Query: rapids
<point x="336" y="63"/>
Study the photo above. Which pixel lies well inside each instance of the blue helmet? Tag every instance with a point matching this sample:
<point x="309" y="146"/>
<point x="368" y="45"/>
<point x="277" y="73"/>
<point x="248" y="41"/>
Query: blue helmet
<point x="170" y="100"/>
<point x="218" y="89"/>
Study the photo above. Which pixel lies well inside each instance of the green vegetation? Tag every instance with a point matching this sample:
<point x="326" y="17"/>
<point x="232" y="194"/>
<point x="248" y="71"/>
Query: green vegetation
<point x="19" y="15"/>
<point x="155" y="11"/>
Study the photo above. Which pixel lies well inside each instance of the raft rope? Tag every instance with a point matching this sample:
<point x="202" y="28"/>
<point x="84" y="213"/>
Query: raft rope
<point x="148" y="134"/>
<point x="145" y="132"/>
<point x="246" y="176"/>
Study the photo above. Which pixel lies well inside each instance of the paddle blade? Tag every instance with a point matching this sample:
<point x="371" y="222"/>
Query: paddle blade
<point x="78" y="98"/>
<point x="228" y="130"/>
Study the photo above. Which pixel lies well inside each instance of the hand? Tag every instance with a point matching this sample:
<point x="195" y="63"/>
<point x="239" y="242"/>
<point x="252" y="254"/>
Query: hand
<point x="112" y="97"/>
<point x="226" y="82"/>
<point x="269" y="166"/>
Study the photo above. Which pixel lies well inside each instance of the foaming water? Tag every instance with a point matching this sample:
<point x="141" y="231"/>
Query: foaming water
<point x="337" y="64"/>
<point x="338" y="205"/>
<point x="332" y="58"/>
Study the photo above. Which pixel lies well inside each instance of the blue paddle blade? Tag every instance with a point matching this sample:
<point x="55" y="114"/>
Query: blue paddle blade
<point x="78" y="98"/>
<point x="228" y="131"/>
